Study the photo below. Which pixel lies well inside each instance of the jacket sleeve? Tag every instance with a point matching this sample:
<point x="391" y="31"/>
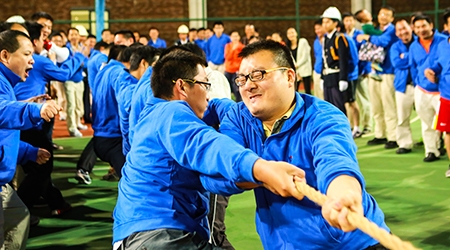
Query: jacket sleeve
<point x="397" y="62"/>
<point x="26" y="153"/>
<point x="220" y="185"/>
<point x="385" y="39"/>
<point x="413" y="64"/>
<point x="67" y="69"/>
<point x="303" y="53"/>
<point x="434" y="61"/>
<point x="344" y="56"/>
<point x="217" y="108"/>
<point x="19" y="115"/>
<point x="195" y="145"/>
<point x="333" y="149"/>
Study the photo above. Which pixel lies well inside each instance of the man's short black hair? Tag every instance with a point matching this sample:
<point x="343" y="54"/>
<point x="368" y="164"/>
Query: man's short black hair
<point x="9" y="41"/>
<point x="106" y="30"/>
<point x="127" y="34"/>
<point x="41" y="14"/>
<point x="178" y="64"/>
<point x="194" y="48"/>
<point x="153" y="28"/>
<point x="72" y="28"/>
<point x="7" y="26"/>
<point x="91" y="36"/>
<point x="34" y="30"/>
<point x="347" y="14"/>
<point x="446" y="15"/>
<point x="281" y="54"/>
<point x="55" y="33"/>
<point x="103" y="44"/>
<point x="200" y="29"/>
<point x="115" y="52"/>
<point x="318" y="22"/>
<point x="422" y="17"/>
<point x="387" y="7"/>
<point x="142" y="52"/>
<point x="218" y="23"/>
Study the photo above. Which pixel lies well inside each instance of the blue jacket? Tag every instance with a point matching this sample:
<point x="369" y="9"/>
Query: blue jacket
<point x="419" y="61"/>
<point x="105" y="110"/>
<point x="364" y="67"/>
<point x="160" y="185"/>
<point x="317" y="138"/>
<point x="353" y="70"/>
<point x="441" y="66"/>
<point x="215" y="48"/>
<point x="142" y="93"/>
<point x="160" y="43"/>
<point x="44" y="71"/>
<point x="14" y="116"/>
<point x="386" y="40"/>
<point x="127" y="84"/>
<point x="318" y="56"/>
<point x="201" y="44"/>
<point x="93" y="66"/>
<point x="78" y="75"/>
<point x="401" y="65"/>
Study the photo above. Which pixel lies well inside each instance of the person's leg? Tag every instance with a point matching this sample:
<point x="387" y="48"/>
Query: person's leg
<point x="71" y="106"/>
<point x="61" y="98"/>
<point x="375" y="94"/>
<point x="426" y="113"/>
<point x="79" y="107"/>
<point x="318" y="92"/>
<point x="362" y="98"/>
<point x="405" y="103"/>
<point x="216" y="219"/>
<point x="234" y="88"/>
<point x="86" y="101"/>
<point x="16" y="220"/>
<point x="110" y="150"/>
<point x="307" y="84"/>
<point x="87" y="158"/>
<point x="389" y="106"/>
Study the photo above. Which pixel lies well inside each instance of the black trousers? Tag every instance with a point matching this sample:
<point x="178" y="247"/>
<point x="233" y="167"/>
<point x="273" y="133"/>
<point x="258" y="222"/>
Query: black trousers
<point x="88" y="157"/>
<point x="87" y="101"/>
<point x="331" y="92"/>
<point x="38" y="180"/>
<point x="234" y="88"/>
<point x="306" y="84"/>
<point x="216" y="219"/>
<point x="110" y="150"/>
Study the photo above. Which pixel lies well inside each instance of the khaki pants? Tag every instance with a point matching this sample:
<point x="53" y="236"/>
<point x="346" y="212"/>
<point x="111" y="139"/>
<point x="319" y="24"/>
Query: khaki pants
<point x="220" y="67"/>
<point x="61" y="97"/>
<point x="382" y="104"/>
<point x="14" y="220"/>
<point x="75" y="107"/>
<point x="318" y="92"/>
<point x="405" y="102"/>
<point x="362" y="98"/>
<point x="427" y="106"/>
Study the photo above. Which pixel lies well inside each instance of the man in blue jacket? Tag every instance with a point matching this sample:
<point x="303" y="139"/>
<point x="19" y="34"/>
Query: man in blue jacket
<point x="215" y="47"/>
<point x="382" y="94"/>
<point x="281" y="125"/>
<point x="404" y="85"/>
<point x="317" y="47"/>
<point x="16" y="50"/>
<point x="426" y="93"/>
<point x="162" y="203"/>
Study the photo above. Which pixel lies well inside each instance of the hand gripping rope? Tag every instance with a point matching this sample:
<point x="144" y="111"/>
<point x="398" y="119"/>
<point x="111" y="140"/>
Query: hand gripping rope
<point x="362" y="223"/>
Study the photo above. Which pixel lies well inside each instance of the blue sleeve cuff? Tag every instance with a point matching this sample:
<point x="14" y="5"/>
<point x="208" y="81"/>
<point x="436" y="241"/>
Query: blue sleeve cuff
<point x="219" y="185"/>
<point x="246" y="163"/>
<point x="36" y="113"/>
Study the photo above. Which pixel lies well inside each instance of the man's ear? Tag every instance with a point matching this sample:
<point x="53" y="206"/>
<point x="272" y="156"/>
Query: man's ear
<point x="4" y="56"/>
<point x="291" y="77"/>
<point x="180" y="89"/>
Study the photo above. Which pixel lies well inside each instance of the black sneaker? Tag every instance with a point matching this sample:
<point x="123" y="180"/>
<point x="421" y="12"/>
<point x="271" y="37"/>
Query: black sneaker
<point x="377" y="141"/>
<point x="391" y="145"/>
<point x="430" y="158"/>
<point x="403" y="151"/>
<point x="442" y="151"/>
<point x="34" y="220"/>
<point x="366" y="131"/>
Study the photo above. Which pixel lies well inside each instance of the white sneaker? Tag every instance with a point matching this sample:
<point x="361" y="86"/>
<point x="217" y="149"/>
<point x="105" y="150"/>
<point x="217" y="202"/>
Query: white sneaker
<point x="82" y="127"/>
<point x="447" y="173"/>
<point x="75" y="133"/>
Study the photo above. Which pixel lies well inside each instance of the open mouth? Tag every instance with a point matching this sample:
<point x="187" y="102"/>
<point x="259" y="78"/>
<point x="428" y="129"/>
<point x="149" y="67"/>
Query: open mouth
<point x="27" y="72"/>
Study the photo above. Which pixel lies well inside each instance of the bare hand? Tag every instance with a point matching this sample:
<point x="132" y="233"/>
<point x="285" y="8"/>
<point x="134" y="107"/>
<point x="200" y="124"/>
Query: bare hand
<point x="52" y="56"/>
<point x="402" y="56"/>
<point x="85" y="51"/>
<point x="430" y="75"/>
<point x="49" y="110"/>
<point x="362" y="37"/>
<point x="42" y="156"/>
<point x="247" y="185"/>
<point x="278" y="177"/>
<point x="336" y="209"/>
<point x="38" y="99"/>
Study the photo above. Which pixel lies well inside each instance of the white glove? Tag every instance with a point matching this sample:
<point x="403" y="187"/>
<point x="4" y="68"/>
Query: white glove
<point x="321" y="84"/>
<point x="343" y="85"/>
<point x="61" y="53"/>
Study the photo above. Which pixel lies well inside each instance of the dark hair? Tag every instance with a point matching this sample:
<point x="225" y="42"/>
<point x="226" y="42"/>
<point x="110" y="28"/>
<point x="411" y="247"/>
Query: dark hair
<point x="143" y="35"/>
<point x="72" y="28"/>
<point x="194" y="48"/>
<point x="209" y="29"/>
<point x="357" y="15"/>
<point x="55" y="33"/>
<point x="153" y="28"/>
<point x="171" y="67"/>
<point x="281" y="54"/>
<point x="115" y="52"/>
<point x="34" y="29"/>
<point x="192" y="29"/>
<point x="127" y="34"/>
<point x="387" y="7"/>
<point x="103" y="44"/>
<point x="147" y="53"/>
<point x="347" y="14"/>
<point x="38" y="15"/>
<point x="422" y="17"/>
<point x="7" y="26"/>
<point x="200" y="29"/>
<point x="9" y="41"/>
<point x="446" y="15"/>
<point x="341" y="27"/>
<point x="218" y="23"/>
<point x="106" y="30"/>
<point x="318" y="22"/>
<point x="91" y="36"/>
<point x="128" y="51"/>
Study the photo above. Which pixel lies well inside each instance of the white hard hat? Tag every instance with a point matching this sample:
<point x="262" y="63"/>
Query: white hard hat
<point x="183" y="29"/>
<point x="82" y="30"/>
<point x="15" y="19"/>
<point x="332" y="13"/>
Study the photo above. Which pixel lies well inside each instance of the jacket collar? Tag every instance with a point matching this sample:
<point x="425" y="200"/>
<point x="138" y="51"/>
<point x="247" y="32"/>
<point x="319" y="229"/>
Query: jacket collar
<point x="12" y="78"/>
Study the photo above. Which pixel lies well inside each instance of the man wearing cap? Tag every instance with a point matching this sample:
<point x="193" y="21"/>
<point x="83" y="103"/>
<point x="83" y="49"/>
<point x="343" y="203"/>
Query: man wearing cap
<point x="215" y="48"/>
<point x="336" y="54"/>
<point x="183" y="32"/>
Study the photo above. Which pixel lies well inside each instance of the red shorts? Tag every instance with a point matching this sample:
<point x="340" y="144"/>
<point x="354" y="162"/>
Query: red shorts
<point x="442" y="121"/>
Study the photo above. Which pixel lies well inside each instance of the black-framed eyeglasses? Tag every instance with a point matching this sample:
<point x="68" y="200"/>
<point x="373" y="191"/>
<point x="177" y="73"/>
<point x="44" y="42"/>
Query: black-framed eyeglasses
<point x="206" y="85"/>
<point x="254" y="76"/>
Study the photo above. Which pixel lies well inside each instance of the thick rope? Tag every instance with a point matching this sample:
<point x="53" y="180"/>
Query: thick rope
<point x="362" y="223"/>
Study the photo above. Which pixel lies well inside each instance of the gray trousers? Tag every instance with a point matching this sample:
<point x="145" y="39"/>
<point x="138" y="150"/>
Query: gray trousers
<point x="216" y="219"/>
<point x="14" y="220"/>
